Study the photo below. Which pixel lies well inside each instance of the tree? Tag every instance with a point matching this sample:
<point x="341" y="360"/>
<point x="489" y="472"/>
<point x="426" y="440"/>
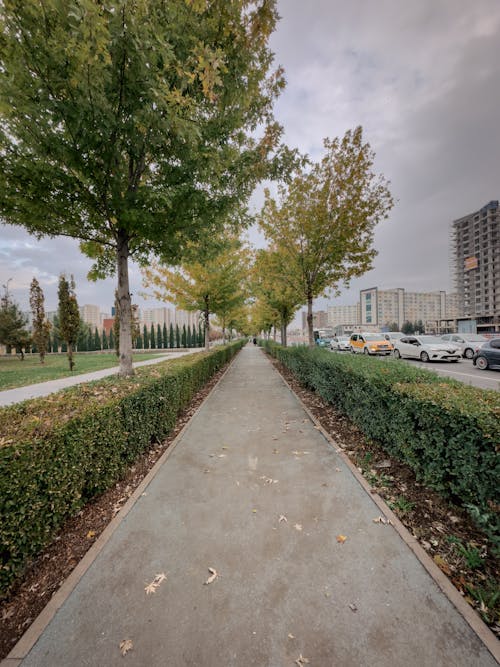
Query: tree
<point x="165" y="336"/>
<point x="392" y="326"/>
<point x="69" y="316"/>
<point x="177" y="336"/>
<point x="211" y="282"/>
<point x="152" y="339"/>
<point x="83" y="337"/>
<point x="97" y="340"/>
<point x="159" y="339"/>
<point x="184" y="336"/>
<point x="201" y="335"/>
<point x="41" y="326"/>
<point x="324" y="222"/>
<point x="171" y="338"/>
<point x="90" y="341"/>
<point x="278" y="295"/>
<point x="105" y="342"/>
<point x="12" y="325"/>
<point x="138" y="342"/>
<point x="111" y="340"/>
<point x="408" y="328"/>
<point x="189" y="337"/>
<point x="134" y="126"/>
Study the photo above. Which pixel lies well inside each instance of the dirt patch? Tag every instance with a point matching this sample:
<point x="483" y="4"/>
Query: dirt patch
<point x="49" y="570"/>
<point x="448" y="534"/>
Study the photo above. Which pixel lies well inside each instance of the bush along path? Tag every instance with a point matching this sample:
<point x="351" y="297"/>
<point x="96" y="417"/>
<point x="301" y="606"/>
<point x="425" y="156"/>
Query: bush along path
<point x="254" y="544"/>
<point x="60" y="452"/>
<point x="462" y="538"/>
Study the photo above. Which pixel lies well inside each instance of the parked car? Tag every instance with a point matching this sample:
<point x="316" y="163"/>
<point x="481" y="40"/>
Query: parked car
<point x="469" y="343"/>
<point x="323" y="342"/>
<point x="488" y="355"/>
<point x="393" y="336"/>
<point x="340" y="344"/>
<point x="370" y="343"/>
<point x="426" y="348"/>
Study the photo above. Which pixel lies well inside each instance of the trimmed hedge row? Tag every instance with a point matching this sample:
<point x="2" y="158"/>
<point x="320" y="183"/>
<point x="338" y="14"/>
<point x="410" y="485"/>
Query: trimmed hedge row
<point x="59" y="451"/>
<point x="447" y="432"/>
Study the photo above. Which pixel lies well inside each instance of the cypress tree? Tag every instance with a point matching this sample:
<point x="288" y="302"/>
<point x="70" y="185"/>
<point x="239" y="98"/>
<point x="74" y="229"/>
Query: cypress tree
<point x="184" y="336"/>
<point x="177" y="336"/>
<point x="69" y="316"/>
<point x="188" y="338"/>
<point x="165" y="335"/>
<point x="111" y="340"/>
<point x="138" y="343"/>
<point x="159" y="341"/>
<point x="201" y="336"/>
<point x="152" y="339"/>
<point x="97" y="340"/>
<point x="145" y="337"/>
<point x="105" y="344"/>
<point x="90" y="341"/>
<point x="41" y="326"/>
<point x="171" y="339"/>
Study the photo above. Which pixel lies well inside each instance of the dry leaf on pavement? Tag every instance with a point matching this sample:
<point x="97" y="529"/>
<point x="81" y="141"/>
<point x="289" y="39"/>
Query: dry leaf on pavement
<point x="282" y="518"/>
<point x="213" y="576"/>
<point x="353" y="607"/>
<point x="301" y="660"/>
<point x="341" y="539"/>
<point x="125" y="646"/>
<point x="298" y="526"/>
<point x="290" y="636"/>
<point x="151" y="588"/>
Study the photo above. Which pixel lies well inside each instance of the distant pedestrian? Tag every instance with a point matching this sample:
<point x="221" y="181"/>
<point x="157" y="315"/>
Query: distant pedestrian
<point x="255" y="341"/>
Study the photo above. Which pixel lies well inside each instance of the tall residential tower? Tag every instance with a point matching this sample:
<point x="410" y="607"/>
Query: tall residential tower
<point x="476" y="266"/>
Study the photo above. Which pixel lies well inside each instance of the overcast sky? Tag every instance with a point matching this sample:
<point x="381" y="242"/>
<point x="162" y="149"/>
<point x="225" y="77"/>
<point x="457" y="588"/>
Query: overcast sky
<point x="422" y="78"/>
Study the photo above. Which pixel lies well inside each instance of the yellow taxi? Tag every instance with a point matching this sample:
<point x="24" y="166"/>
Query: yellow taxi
<point x="370" y="343"/>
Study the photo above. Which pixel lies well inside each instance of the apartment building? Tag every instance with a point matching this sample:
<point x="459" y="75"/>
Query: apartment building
<point x="381" y="308"/>
<point x="343" y="315"/>
<point x="91" y="315"/>
<point x="320" y="319"/>
<point x="475" y="241"/>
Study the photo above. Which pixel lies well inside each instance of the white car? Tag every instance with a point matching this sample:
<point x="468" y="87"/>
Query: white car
<point x="340" y="344"/>
<point x="426" y="348"/>
<point x="469" y="343"/>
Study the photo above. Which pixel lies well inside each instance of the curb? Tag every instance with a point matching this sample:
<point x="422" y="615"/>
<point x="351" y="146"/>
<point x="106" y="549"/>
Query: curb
<point x="33" y="633"/>
<point x="482" y="631"/>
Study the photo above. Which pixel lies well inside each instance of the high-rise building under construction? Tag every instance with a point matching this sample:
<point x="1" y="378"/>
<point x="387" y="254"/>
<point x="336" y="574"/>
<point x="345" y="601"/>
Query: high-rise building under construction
<point x="476" y="267"/>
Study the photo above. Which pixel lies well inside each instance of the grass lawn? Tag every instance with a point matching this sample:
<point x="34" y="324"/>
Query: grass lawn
<point x="17" y="373"/>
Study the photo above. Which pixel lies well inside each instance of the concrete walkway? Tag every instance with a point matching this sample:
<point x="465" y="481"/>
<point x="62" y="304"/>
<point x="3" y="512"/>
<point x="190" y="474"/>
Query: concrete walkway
<point x="253" y="490"/>
<point x="10" y="396"/>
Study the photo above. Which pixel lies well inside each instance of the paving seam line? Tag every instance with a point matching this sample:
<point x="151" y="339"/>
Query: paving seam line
<point x="464" y="609"/>
<point x="33" y="633"/>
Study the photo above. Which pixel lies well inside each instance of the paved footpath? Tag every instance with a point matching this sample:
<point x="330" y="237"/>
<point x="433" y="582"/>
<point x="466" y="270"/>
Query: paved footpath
<point x="253" y="490"/>
<point x="19" y="394"/>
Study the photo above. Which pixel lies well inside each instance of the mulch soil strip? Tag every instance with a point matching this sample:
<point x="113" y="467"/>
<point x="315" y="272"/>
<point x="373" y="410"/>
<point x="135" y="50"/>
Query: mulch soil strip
<point x="48" y="571"/>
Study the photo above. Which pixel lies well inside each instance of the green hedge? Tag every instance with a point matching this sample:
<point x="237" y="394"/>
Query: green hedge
<point x="59" y="451"/>
<point x="447" y="432"/>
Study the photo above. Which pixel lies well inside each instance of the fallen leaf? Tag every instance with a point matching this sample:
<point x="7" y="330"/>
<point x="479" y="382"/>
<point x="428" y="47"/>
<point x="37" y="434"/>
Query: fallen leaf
<point x="213" y="576"/>
<point x="206" y="471"/>
<point x="151" y="588"/>
<point x="337" y="469"/>
<point x="282" y="518"/>
<point x="276" y="451"/>
<point x="290" y="636"/>
<point x="301" y="660"/>
<point x="380" y="519"/>
<point x="341" y="539"/>
<point x="90" y="534"/>
<point x="254" y="511"/>
<point x="442" y="564"/>
<point x="125" y="646"/>
<point x="221" y="456"/>
<point x="353" y="607"/>
<point x="298" y="526"/>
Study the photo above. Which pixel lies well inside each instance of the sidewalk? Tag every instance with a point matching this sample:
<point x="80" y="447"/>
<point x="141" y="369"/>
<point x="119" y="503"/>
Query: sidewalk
<point x="19" y="394"/>
<point x="254" y="491"/>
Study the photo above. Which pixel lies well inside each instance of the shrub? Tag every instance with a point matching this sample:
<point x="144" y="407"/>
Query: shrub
<point x="447" y="432"/>
<point x="59" y="451"/>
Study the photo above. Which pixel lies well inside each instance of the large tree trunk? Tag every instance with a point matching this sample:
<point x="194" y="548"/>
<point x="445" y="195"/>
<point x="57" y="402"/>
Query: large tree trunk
<point x="206" y="315"/>
<point x="124" y="301"/>
<point x="310" y="320"/>
<point x="283" y="334"/>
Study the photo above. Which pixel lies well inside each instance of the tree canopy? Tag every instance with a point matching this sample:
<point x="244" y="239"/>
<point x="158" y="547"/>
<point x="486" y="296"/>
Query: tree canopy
<point x="134" y="126"/>
<point x="324" y="221"/>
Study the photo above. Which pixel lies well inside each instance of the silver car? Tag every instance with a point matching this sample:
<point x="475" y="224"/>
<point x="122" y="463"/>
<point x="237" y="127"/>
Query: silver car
<point x="426" y="348"/>
<point x="340" y="344"/>
<point x="469" y="343"/>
